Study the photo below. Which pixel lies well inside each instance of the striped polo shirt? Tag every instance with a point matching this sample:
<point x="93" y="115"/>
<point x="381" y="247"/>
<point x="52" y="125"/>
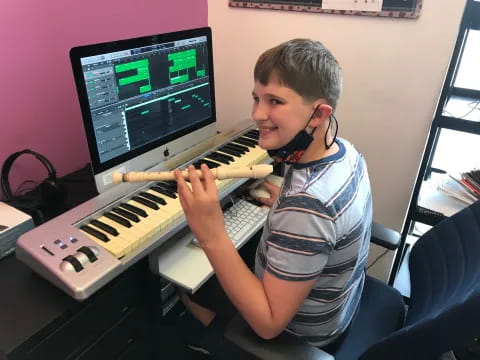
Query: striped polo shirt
<point x="319" y="228"/>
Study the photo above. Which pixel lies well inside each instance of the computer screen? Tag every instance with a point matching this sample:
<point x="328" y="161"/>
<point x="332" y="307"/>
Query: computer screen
<point x="141" y="94"/>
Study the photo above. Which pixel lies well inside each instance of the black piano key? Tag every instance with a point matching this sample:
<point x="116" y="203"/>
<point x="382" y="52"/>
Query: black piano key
<point x="126" y="214"/>
<point x="251" y="141"/>
<point x="153" y="198"/>
<point x="220" y="159"/>
<point x="210" y="164"/>
<point x="239" y="147"/>
<point x="145" y="202"/>
<point x="230" y="151"/>
<point x="134" y="209"/>
<point x="227" y="157"/>
<point x="254" y="134"/>
<point x="255" y="140"/>
<point x="118" y="219"/>
<point x="236" y="148"/>
<point x="99" y="235"/>
<point x="164" y="191"/>
<point x="244" y="142"/>
<point x="105" y="227"/>
<point x="169" y="185"/>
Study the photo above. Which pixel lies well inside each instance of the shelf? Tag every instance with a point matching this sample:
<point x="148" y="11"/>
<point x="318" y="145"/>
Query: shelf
<point x="452" y="123"/>
<point x="432" y="198"/>
<point x="453" y="143"/>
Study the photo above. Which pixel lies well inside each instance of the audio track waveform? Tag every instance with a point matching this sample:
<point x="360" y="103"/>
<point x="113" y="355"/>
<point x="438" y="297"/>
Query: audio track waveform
<point x="135" y="72"/>
<point x="184" y="66"/>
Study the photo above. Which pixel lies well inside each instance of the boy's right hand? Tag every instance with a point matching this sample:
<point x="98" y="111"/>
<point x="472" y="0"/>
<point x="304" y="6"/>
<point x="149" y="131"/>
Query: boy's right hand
<point x="274" y="192"/>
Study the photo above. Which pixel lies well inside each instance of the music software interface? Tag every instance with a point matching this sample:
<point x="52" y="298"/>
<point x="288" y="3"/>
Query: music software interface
<point x="140" y="95"/>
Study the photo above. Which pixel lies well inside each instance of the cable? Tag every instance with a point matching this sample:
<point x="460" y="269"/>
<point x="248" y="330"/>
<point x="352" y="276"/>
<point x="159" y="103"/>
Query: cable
<point x="474" y="105"/>
<point x="378" y="258"/>
<point x="21" y="191"/>
<point x="232" y="201"/>
<point x="473" y="108"/>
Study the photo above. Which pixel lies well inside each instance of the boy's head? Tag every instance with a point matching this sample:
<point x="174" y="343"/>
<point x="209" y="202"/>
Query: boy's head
<point x="305" y="66"/>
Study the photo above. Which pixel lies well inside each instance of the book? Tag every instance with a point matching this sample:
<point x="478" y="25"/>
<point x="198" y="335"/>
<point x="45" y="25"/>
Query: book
<point x="454" y="187"/>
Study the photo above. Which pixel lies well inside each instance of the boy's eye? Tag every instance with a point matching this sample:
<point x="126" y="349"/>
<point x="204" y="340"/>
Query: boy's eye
<point x="275" y="102"/>
<point x="255" y="99"/>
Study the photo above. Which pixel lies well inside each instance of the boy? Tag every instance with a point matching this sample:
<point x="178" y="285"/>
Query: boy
<point x="309" y="265"/>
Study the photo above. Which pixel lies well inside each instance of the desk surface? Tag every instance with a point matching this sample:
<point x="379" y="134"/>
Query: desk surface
<point x="29" y="303"/>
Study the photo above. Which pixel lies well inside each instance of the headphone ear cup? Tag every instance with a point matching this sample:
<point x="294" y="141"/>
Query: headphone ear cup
<point x="52" y="192"/>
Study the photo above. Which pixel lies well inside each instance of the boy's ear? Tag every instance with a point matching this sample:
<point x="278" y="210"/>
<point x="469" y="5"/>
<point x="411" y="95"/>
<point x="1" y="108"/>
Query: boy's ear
<point x="322" y="114"/>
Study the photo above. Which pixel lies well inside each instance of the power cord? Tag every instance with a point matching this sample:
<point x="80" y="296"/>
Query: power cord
<point x="22" y="189"/>
<point x="474" y="105"/>
<point x="377" y="259"/>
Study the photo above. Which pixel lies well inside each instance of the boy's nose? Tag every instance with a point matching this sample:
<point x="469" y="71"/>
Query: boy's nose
<point x="259" y="113"/>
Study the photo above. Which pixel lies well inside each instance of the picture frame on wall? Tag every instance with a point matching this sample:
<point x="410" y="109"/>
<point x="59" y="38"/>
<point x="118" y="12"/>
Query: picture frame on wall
<point x="409" y="9"/>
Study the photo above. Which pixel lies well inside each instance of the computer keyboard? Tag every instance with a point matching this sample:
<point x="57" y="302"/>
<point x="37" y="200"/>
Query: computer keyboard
<point x="242" y="220"/>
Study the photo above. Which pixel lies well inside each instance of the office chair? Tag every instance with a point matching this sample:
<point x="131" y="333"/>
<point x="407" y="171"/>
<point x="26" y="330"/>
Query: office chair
<point x="443" y="311"/>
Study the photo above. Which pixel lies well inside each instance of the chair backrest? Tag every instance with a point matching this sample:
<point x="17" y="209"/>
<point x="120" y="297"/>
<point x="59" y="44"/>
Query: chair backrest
<point x="444" y="307"/>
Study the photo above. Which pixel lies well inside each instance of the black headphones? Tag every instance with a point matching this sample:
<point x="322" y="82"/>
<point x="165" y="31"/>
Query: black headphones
<point x="48" y="193"/>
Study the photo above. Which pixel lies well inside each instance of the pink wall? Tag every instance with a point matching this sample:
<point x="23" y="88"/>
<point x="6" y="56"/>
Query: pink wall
<point x="38" y="102"/>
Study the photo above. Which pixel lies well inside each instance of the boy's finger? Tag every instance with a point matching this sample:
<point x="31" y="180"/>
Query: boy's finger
<point x="182" y="188"/>
<point x="208" y="178"/>
<point x="194" y="179"/>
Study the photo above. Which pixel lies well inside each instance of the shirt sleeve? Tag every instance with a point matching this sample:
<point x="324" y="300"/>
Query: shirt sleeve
<point x="302" y="235"/>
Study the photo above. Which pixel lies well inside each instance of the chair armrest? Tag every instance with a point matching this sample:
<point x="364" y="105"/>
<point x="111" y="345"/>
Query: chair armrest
<point x="283" y="347"/>
<point x="385" y="237"/>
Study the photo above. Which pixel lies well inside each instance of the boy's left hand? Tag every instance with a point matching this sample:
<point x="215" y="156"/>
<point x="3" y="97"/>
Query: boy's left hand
<point x="201" y="205"/>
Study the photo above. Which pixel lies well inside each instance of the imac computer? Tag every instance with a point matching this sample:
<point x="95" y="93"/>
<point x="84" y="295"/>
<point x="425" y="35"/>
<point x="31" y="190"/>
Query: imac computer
<point x="144" y="100"/>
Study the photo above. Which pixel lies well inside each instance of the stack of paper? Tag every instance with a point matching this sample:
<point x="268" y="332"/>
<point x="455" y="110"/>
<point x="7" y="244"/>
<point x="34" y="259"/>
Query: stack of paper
<point x="458" y="187"/>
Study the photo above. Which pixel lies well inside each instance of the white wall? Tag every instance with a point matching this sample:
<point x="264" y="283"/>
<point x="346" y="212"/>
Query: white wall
<point x="393" y="74"/>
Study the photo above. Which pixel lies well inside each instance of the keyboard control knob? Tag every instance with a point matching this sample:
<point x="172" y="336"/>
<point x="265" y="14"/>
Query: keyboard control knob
<point x="90" y="251"/>
<point x="71" y="263"/>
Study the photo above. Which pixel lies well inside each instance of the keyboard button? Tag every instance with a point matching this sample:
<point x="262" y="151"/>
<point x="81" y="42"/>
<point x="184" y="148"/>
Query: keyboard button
<point x="241" y="220"/>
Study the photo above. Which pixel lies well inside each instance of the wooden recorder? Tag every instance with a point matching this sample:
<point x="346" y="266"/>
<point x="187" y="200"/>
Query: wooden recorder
<point x="220" y="173"/>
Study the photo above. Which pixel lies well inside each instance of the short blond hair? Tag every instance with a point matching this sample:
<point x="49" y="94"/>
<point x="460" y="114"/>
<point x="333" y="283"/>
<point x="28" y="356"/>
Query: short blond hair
<point x="304" y="65"/>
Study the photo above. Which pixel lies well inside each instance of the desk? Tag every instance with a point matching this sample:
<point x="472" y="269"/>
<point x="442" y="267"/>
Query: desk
<point x="126" y="319"/>
<point x="38" y="321"/>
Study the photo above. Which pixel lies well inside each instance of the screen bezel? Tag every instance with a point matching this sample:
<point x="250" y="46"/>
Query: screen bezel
<point x="76" y="53"/>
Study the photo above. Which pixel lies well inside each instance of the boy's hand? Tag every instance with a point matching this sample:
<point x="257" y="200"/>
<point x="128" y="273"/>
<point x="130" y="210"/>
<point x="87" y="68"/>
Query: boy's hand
<point x="201" y="205"/>
<point x="274" y="191"/>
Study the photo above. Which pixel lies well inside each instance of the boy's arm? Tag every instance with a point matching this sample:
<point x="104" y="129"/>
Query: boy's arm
<point x="268" y="304"/>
